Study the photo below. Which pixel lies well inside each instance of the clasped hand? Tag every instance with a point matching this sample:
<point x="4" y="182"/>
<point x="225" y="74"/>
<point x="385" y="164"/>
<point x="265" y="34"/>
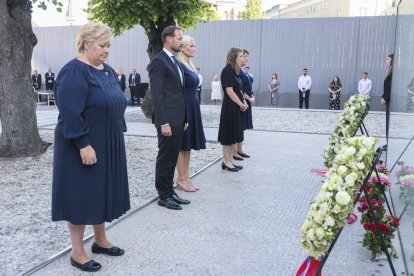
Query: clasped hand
<point x="88" y="155"/>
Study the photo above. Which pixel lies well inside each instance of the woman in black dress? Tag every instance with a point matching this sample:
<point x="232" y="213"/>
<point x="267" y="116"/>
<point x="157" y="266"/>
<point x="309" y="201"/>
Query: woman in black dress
<point x="335" y="88"/>
<point x="386" y="96"/>
<point x="90" y="182"/>
<point x="231" y="129"/>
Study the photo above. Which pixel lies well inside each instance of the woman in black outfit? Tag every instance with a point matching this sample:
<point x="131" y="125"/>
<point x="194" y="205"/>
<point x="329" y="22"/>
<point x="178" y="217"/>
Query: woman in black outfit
<point x="335" y="88"/>
<point x="231" y="129"/>
<point x="386" y="97"/>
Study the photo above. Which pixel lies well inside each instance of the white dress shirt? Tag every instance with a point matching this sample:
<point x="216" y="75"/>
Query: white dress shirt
<point x="200" y="77"/>
<point x="304" y="82"/>
<point x="364" y="87"/>
<point x="178" y="67"/>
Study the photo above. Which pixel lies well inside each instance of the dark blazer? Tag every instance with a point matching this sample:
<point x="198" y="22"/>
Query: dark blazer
<point x="167" y="91"/>
<point x="37" y="81"/>
<point x="49" y="78"/>
<point x="137" y="79"/>
<point x="387" y="88"/>
<point x="122" y="82"/>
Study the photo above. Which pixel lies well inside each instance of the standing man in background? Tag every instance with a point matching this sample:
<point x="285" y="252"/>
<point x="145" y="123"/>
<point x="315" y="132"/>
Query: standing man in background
<point x="304" y="85"/>
<point x="36" y="80"/>
<point x="200" y="77"/>
<point x="49" y="79"/>
<point x="364" y="85"/>
<point x="121" y="79"/>
<point x="134" y="81"/>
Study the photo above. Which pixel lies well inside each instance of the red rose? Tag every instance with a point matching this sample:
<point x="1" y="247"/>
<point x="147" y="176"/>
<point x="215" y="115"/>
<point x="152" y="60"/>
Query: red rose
<point x="384" y="228"/>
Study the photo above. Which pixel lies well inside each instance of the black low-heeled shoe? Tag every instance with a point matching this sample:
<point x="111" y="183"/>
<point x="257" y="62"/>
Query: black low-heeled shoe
<point x="238" y="158"/>
<point x="237" y="166"/>
<point x="224" y="167"/>
<point x="90" y="266"/>
<point x="243" y="155"/>
<point x="113" y="251"/>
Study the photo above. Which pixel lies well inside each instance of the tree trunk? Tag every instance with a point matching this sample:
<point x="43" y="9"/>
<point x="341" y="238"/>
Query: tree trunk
<point x="155" y="46"/>
<point x="19" y="134"/>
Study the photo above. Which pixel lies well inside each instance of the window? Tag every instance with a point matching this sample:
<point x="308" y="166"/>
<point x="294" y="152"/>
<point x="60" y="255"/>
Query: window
<point x="363" y="11"/>
<point x="338" y="13"/>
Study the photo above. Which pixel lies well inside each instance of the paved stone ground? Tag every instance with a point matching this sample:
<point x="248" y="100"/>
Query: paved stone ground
<point x="244" y="223"/>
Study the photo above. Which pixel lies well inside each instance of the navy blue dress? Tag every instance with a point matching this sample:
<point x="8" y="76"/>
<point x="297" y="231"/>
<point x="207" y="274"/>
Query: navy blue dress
<point x="91" y="112"/>
<point x="194" y="135"/>
<point x="230" y="129"/>
<point x="247" y="81"/>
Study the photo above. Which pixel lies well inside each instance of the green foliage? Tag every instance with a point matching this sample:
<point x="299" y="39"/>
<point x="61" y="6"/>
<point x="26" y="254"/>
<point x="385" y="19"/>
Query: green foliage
<point x="122" y="15"/>
<point x="253" y="10"/>
<point x="42" y="4"/>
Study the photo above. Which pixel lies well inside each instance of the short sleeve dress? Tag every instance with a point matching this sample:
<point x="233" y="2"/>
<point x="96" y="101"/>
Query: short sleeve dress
<point x="91" y="112"/>
<point x="193" y="137"/>
<point x="230" y="129"/>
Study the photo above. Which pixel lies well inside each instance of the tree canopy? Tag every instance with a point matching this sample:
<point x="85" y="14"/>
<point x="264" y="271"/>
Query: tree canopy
<point x="253" y="10"/>
<point x="122" y="15"/>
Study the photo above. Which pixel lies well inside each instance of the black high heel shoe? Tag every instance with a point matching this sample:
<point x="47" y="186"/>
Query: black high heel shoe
<point x="238" y="167"/>
<point x="224" y="167"/>
<point x="238" y="158"/>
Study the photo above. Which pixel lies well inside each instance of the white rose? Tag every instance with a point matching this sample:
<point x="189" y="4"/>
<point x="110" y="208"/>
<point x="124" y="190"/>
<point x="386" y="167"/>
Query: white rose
<point x="320" y="233"/>
<point x="310" y="234"/>
<point x="342" y="170"/>
<point x="361" y="166"/>
<point x="350" y="180"/>
<point x="342" y="198"/>
<point x="350" y="151"/>
<point x="329" y="221"/>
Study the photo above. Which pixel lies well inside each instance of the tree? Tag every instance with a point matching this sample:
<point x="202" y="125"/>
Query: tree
<point x="153" y="16"/>
<point x="253" y="10"/>
<point x="19" y="134"/>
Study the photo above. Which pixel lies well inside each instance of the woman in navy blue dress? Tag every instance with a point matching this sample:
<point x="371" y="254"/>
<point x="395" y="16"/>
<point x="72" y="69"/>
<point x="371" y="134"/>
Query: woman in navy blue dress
<point x="193" y="137"/>
<point x="90" y="183"/>
<point x="231" y="128"/>
<point x="247" y="121"/>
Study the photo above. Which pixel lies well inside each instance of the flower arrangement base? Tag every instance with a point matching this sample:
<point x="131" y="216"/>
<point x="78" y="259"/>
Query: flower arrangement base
<point x="309" y="267"/>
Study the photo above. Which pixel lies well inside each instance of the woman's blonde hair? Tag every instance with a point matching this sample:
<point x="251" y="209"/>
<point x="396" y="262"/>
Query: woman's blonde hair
<point x="181" y="57"/>
<point x="91" y="32"/>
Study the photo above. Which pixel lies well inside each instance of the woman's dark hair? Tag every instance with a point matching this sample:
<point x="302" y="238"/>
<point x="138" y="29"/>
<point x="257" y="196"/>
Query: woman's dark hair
<point x="231" y="59"/>
<point x="339" y="81"/>
<point x="389" y="69"/>
<point x="274" y="74"/>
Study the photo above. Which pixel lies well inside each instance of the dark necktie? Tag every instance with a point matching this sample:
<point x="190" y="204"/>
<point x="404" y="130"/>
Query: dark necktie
<point x="179" y="68"/>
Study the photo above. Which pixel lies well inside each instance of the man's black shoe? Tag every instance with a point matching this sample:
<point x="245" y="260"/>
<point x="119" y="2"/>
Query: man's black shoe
<point x="169" y="203"/>
<point x="179" y="200"/>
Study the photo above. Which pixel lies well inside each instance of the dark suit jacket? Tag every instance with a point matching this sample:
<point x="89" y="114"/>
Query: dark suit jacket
<point x="51" y="77"/>
<point x="137" y="79"/>
<point x="167" y="92"/>
<point x="37" y="81"/>
<point x="122" y="82"/>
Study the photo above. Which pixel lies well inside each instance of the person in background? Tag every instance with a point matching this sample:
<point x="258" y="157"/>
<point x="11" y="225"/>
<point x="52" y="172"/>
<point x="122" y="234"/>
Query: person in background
<point x="134" y="81"/>
<point x="121" y="79"/>
<point x="273" y="89"/>
<point x="49" y="79"/>
<point x="334" y="89"/>
<point x="36" y="80"/>
<point x="231" y="129"/>
<point x="193" y="137"/>
<point x="304" y="85"/>
<point x="216" y="94"/>
<point x="386" y="96"/>
<point x="410" y="99"/>
<point x="200" y="77"/>
<point x="90" y="178"/>
<point x="364" y="85"/>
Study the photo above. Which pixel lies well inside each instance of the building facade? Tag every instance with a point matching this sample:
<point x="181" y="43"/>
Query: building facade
<point x="333" y="8"/>
<point x="229" y="10"/>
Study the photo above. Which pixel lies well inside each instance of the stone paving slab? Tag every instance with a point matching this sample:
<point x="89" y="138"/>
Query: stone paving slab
<point x="244" y="223"/>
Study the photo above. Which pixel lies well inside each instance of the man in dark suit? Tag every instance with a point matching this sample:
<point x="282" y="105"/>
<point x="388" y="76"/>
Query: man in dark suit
<point x="134" y="81"/>
<point x="121" y="79"/>
<point x="36" y="80"/>
<point x="49" y="79"/>
<point x="169" y="115"/>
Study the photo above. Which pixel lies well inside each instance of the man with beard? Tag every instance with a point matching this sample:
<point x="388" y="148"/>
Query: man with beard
<point x="304" y="85"/>
<point x="169" y="116"/>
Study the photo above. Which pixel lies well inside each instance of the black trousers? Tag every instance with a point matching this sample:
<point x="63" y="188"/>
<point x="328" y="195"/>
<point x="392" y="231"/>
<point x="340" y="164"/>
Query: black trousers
<point x="307" y="92"/>
<point x="168" y="150"/>
<point x="49" y="86"/>
<point x="134" y="94"/>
